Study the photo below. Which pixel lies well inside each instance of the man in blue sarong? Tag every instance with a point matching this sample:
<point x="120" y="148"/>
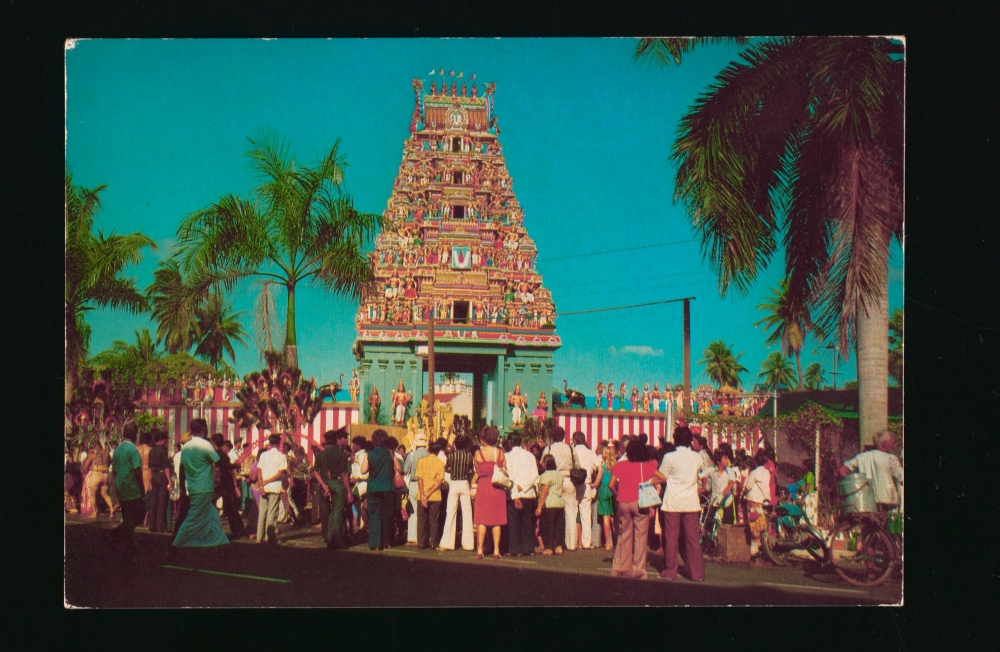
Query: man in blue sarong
<point x="202" y="528"/>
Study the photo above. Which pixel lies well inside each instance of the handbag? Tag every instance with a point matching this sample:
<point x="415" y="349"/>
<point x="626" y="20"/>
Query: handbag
<point x="648" y="495"/>
<point x="578" y="476"/>
<point x="500" y="479"/>
<point x="397" y="477"/>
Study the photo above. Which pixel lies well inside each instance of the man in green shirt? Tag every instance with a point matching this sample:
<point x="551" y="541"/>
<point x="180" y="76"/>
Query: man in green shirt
<point x="127" y="469"/>
<point x="332" y="471"/>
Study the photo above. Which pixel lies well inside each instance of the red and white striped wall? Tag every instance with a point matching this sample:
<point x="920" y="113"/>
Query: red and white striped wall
<point x="179" y="416"/>
<point x="598" y="425"/>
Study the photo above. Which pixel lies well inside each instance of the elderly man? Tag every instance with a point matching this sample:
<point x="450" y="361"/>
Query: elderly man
<point x="522" y="468"/>
<point x="566" y="461"/>
<point x="410" y="470"/>
<point x="589" y="462"/>
<point x="882" y="468"/>
<point x="681" y="507"/>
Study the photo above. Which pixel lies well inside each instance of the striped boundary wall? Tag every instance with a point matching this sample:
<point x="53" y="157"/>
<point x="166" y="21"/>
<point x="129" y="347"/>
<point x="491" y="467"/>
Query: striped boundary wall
<point x="598" y="425"/>
<point x="179" y="416"/>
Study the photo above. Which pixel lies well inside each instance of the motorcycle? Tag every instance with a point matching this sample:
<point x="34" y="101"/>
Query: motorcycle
<point x="792" y="531"/>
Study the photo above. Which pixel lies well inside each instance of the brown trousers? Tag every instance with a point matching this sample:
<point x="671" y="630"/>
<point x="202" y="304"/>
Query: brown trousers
<point x="673" y="523"/>
<point x="632" y="547"/>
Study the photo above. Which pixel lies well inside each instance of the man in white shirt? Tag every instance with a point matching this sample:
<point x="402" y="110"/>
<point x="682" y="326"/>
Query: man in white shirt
<point x="589" y="462"/>
<point x="522" y="468"/>
<point x="883" y="469"/>
<point x="681" y="508"/>
<point x="271" y="468"/>
<point x="234" y="454"/>
<point x="565" y="462"/>
<point x="410" y="471"/>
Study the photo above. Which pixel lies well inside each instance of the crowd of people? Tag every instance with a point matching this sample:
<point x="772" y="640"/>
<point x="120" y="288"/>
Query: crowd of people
<point x="498" y="497"/>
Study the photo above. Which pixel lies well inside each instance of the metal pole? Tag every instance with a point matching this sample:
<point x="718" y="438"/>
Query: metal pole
<point x="816" y="470"/>
<point x="774" y="435"/>
<point x="429" y="426"/>
<point x="687" y="356"/>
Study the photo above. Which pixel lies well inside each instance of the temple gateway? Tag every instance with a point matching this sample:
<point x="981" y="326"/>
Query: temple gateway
<point x="455" y="247"/>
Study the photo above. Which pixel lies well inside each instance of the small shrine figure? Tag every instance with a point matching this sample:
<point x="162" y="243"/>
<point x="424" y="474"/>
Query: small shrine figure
<point x="541" y="407"/>
<point x="354" y="387"/>
<point x="611" y="395"/>
<point x="225" y="387"/>
<point x="599" y="395"/>
<point x="634" y="397"/>
<point x="622" y="389"/>
<point x="184" y="387"/>
<point x="645" y="397"/>
<point x="400" y="401"/>
<point x="374" y="403"/>
<point x="656" y="397"/>
<point x="514" y="401"/>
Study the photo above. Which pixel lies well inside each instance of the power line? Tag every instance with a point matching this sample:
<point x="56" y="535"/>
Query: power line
<point x="616" y="251"/>
<point x="634" y="305"/>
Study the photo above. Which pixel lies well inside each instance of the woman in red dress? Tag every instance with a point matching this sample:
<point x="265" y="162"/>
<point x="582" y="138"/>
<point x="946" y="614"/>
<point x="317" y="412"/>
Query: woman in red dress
<point x="490" y="503"/>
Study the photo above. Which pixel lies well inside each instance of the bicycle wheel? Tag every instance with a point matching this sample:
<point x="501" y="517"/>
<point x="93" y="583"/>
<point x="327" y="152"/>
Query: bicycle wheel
<point x="769" y="544"/>
<point x="871" y="560"/>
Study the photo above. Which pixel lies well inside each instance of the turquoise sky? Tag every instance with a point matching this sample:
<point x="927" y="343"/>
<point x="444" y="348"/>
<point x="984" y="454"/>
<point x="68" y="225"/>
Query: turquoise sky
<point x="586" y="134"/>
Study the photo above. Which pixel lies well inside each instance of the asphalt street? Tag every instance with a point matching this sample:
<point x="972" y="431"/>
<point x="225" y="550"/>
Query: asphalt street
<point x="301" y="572"/>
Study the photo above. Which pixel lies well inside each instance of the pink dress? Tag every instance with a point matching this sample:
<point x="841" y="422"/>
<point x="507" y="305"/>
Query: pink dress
<point x="490" y="507"/>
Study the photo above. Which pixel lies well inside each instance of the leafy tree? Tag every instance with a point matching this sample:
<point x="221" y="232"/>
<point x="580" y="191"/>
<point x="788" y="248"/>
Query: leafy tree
<point x="174" y="366"/>
<point x="803" y="139"/>
<point x="777" y="370"/>
<point x="815" y="376"/>
<point x="218" y="328"/>
<point x="790" y="328"/>
<point x="94" y="274"/>
<point x="896" y="345"/>
<point x="297" y="226"/>
<point x="174" y="307"/>
<point x="128" y="363"/>
<point x="721" y="366"/>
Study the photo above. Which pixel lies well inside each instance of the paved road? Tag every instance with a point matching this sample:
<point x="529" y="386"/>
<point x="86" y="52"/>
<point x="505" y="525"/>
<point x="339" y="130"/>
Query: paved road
<point x="301" y="572"/>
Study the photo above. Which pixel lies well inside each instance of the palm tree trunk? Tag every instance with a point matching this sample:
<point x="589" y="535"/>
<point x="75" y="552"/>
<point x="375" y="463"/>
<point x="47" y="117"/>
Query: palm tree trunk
<point x="291" y="350"/>
<point x="873" y="359"/>
<point x="798" y="367"/>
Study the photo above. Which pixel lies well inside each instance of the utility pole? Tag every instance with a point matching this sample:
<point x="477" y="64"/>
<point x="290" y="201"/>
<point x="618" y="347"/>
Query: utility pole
<point x="834" y="373"/>
<point x="687" y="355"/>
<point x="432" y="417"/>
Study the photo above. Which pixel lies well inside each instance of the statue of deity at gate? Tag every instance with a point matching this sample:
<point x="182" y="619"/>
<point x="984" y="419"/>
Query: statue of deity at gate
<point x="599" y="395"/>
<point x="645" y="397"/>
<point x="611" y="395"/>
<point x="374" y="403"/>
<point x="400" y="401"/>
<point x="655" y="396"/>
<point x="354" y="387"/>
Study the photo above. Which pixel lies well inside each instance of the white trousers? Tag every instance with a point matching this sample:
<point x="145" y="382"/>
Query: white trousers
<point x="587" y="517"/>
<point x="458" y="490"/>
<point x="411" y="523"/>
<point x="571" y="508"/>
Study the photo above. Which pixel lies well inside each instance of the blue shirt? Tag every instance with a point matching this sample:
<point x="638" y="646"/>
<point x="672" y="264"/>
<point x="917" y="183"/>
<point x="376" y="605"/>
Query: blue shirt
<point x="199" y="457"/>
<point x="380" y="470"/>
<point x="124" y="464"/>
<point x="410" y="464"/>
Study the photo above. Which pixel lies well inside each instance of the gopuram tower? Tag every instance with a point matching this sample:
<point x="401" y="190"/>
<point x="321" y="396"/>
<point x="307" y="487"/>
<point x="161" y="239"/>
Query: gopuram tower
<point x="455" y="246"/>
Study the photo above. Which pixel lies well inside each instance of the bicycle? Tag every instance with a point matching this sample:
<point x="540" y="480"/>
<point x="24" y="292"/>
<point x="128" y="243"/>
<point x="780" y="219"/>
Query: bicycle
<point x="870" y="552"/>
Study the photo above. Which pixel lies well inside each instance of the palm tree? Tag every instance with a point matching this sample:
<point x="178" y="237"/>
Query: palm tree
<point x="789" y="328"/>
<point x="896" y="345"/>
<point x="129" y="360"/>
<point x="815" y="376"/>
<point x="298" y="225"/>
<point x="721" y="366"/>
<point x="776" y="370"/>
<point x="803" y="139"/>
<point x="174" y="308"/>
<point x="217" y="329"/>
<point x="94" y="274"/>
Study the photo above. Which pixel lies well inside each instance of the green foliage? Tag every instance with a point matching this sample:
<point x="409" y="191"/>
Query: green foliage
<point x="148" y="423"/>
<point x="851" y="384"/>
<point x="94" y="272"/>
<point x="777" y="370"/>
<point x="721" y="366"/>
<point x="814" y="376"/>
<point x="896" y="345"/>
<point x="177" y="365"/>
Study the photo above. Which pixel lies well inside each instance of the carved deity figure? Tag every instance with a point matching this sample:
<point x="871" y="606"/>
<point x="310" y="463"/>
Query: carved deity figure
<point x="611" y="395"/>
<point x="656" y="397"/>
<point x="599" y="395"/>
<point x="374" y="403"/>
<point x="400" y="401"/>
<point x="622" y="389"/>
<point x="645" y="397"/>
<point x="354" y="387"/>
<point x="634" y="397"/>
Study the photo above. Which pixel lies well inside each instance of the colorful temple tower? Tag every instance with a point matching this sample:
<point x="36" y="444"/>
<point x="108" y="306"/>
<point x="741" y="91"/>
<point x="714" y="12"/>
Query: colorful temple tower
<point x="455" y="246"/>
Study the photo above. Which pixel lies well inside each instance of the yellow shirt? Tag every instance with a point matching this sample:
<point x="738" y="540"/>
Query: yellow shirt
<point x="431" y="470"/>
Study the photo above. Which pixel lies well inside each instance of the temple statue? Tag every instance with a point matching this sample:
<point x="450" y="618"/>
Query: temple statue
<point x="354" y="387"/>
<point x="374" y="403"/>
<point x="599" y="396"/>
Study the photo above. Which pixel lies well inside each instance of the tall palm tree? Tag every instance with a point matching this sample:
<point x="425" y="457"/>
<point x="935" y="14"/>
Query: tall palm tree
<point x="790" y="328"/>
<point x="94" y="274"/>
<point x="218" y="328"/>
<point x="174" y="307"/>
<point x="721" y="366"/>
<point x="298" y="226"/>
<point x="803" y="139"/>
<point x="896" y="345"/>
<point x="815" y="376"/>
<point x="776" y="370"/>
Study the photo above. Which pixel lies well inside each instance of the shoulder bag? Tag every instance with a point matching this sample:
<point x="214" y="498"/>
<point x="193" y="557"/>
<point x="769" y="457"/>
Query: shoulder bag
<point x="648" y="496"/>
<point x="500" y="479"/>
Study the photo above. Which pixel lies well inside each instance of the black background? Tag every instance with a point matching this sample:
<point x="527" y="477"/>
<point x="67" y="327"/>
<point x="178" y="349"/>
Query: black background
<point x="952" y="390"/>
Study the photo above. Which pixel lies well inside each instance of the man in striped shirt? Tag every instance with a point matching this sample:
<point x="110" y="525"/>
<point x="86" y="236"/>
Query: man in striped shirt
<point x="459" y="466"/>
